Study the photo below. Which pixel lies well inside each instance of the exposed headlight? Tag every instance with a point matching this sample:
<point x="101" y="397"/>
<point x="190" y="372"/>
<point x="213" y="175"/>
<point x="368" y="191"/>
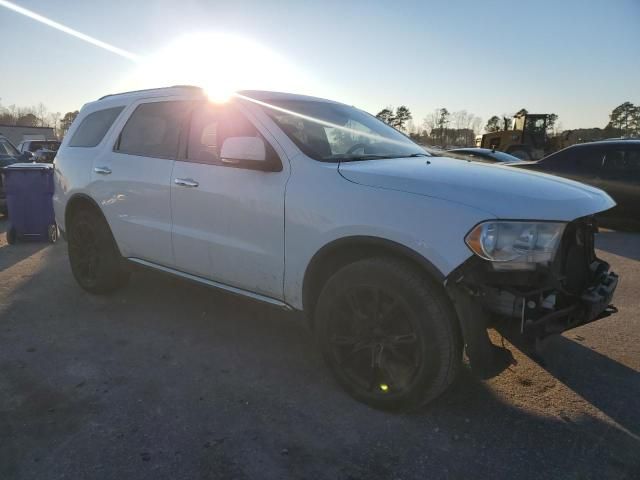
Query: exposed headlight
<point x="516" y="245"/>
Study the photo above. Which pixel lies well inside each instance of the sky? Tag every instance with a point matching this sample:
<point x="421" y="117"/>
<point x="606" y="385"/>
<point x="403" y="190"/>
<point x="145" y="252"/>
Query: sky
<point x="576" y="58"/>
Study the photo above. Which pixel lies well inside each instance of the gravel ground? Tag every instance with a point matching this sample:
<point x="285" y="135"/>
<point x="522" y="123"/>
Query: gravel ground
<point x="168" y="379"/>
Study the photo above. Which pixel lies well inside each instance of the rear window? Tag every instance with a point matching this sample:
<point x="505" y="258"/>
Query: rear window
<point x="93" y="128"/>
<point x="153" y="130"/>
<point x="34" y="146"/>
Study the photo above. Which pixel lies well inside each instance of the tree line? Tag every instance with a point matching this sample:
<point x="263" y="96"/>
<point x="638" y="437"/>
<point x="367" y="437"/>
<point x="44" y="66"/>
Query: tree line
<point x="444" y="128"/>
<point x="37" y="116"/>
<point x="625" y="120"/>
<point x="441" y="127"/>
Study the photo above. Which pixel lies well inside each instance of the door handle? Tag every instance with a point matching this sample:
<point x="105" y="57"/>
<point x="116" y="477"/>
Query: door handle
<point x="186" y="182"/>
<point x="102" y="170"/>
<point x="232" y="161"/>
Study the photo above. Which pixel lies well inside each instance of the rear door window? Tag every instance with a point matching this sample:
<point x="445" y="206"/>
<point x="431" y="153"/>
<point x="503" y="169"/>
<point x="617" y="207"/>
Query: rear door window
<point x="93" y="127"/>
<point x="622" y="163"/>
<point x="154" y="129"/>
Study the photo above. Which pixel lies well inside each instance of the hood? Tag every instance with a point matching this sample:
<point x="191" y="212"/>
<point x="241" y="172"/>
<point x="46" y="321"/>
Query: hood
<point x="503" y="191"/>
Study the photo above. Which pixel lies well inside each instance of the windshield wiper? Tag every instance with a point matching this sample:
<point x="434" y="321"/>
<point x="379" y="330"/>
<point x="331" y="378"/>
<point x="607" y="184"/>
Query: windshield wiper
<point x="372" y="156"/>
<point x="355" y="158"/>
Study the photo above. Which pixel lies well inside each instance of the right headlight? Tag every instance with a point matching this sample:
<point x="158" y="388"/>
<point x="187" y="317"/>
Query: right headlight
<point x="515" y="245"/>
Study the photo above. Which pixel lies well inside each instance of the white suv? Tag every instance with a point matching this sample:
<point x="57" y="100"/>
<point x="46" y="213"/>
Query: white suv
<point x="398" y="257"/>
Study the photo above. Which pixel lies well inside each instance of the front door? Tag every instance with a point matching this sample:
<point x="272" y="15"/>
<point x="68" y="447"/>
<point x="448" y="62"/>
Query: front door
<point x="228" y="220"/>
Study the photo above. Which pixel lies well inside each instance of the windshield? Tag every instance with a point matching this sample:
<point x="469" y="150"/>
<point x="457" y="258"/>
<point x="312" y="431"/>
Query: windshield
<point x="332" y="132"/>
<point x="34" y="146"/>
<point x="7" y="149"/>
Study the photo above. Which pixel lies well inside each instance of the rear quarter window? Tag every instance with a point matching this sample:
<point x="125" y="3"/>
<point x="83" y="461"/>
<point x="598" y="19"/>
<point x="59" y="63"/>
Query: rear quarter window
<point x="93" y="127"/>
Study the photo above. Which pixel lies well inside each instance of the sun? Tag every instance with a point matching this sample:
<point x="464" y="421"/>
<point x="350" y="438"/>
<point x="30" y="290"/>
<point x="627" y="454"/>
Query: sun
<point x="221" y="64"/>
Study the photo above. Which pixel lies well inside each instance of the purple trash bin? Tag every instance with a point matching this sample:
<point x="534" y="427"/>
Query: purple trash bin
<point x="29" y="191"/>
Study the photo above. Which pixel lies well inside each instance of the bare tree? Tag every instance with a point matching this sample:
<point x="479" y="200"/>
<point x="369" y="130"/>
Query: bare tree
<point x="430" y="121"/>
<point x="42" y="114"/>
<point x="476" y="125"/>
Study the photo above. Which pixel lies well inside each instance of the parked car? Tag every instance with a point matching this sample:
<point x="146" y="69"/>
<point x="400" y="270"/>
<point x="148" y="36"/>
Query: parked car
<point x="43" y="151"/>
<point x="485" y="154"/>
<point x="8" y="155"/>
<point x="612" y="165"/>
<point x="397" y="257"/>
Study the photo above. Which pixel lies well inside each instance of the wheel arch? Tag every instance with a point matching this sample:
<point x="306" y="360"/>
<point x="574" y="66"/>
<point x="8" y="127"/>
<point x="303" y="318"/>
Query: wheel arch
<point x="338" y="253"/>
<point x="78" y="202"/>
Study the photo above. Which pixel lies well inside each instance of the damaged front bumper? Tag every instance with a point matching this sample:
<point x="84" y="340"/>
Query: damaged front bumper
<point x="577" y="288"/>
<point x="593" y="304"/>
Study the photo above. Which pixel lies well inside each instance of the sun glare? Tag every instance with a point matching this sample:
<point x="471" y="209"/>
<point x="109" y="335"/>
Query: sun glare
<point x="219" y="63"/>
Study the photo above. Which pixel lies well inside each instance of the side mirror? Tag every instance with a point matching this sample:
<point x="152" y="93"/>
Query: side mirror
<point x="240" y="149"/>
<point x="27" y="156"/>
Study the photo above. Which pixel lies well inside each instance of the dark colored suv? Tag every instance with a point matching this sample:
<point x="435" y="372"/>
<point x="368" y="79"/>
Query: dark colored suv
<point x="612" y="165"/>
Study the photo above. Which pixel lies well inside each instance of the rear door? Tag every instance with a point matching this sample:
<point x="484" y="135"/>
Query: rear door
<point x="132" y="180"/>
<point x="621" y="179"/>
<point x="228" y="219"/>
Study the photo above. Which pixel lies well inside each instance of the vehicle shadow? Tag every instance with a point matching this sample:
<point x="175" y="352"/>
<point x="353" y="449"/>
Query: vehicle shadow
<point x="602" y="381"/>
<point x="205" y="384"/>
<point x="12" y="254"/>
<point x="606" y="384"/>
<point x="624" y="244"/>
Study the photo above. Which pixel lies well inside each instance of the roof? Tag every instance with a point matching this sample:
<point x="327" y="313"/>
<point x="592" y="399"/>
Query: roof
<point x="261" y="95"/>
<point x="4" y="125"/>
<point x="264" y="96"/>
<point x="621" y="141"/>
<point x="160" y="92"/>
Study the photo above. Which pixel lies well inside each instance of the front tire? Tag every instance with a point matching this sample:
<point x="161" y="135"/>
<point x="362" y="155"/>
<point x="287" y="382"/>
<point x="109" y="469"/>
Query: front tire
<point x="388" y="334"/>
<point x="95" y="260"/>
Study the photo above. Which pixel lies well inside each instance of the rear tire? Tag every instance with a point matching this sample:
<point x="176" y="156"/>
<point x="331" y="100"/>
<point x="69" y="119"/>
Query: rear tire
<point x="95" y="260"/>
<point x="388" y="334"/>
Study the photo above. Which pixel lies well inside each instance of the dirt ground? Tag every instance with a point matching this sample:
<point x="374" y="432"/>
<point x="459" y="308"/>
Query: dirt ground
<point x="167" y="379"/>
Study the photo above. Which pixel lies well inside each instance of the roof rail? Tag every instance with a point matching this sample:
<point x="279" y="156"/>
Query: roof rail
<point x="192" y="87"/>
